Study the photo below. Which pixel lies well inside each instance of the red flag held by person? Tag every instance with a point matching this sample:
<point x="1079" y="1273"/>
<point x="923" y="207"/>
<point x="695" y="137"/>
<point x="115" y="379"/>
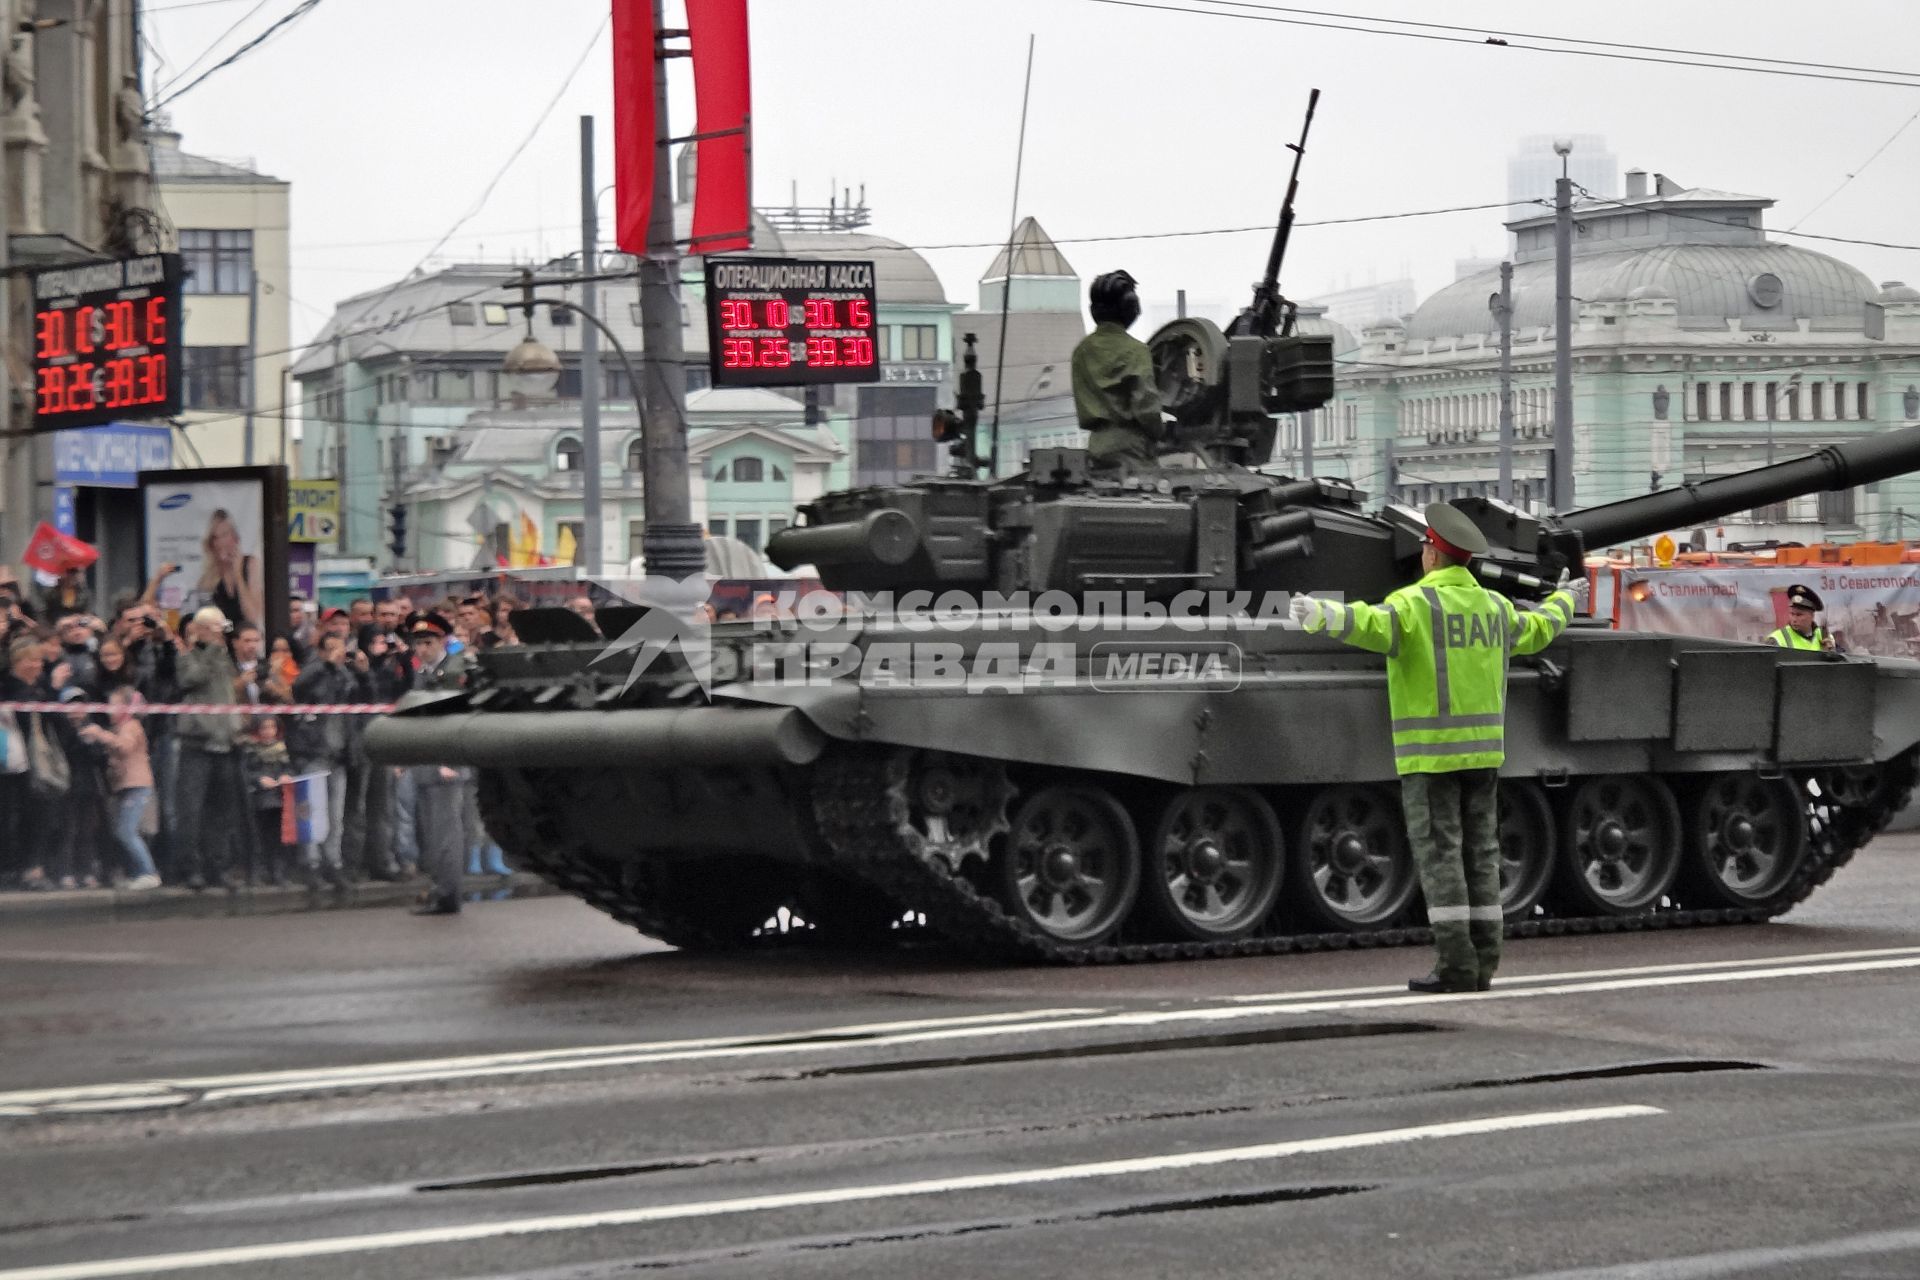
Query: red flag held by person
<point x="52" y="551"/>
<point x="723" y="92"/>
<point x="635" y="132"/>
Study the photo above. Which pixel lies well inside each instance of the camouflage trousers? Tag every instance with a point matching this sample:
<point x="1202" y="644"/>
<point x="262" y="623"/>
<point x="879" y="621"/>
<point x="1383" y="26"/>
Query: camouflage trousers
<point x="1453" y="826"/>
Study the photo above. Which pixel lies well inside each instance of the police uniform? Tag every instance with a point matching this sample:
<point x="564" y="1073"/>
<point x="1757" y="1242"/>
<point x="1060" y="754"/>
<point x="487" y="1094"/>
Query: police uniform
<point x="1447" y="641"/>
<point x="437" y="815"/>
<point x="1115" y="395"/>
<point x="1801" y="597"/>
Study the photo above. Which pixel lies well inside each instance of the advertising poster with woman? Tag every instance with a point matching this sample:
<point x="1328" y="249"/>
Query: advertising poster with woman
<point x="219" y="536"/>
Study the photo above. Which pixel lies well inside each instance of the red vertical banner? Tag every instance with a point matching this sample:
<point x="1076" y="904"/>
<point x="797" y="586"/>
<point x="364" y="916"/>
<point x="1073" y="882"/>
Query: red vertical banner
<point x="722" y="87"/>
<point x="635" y="131"/>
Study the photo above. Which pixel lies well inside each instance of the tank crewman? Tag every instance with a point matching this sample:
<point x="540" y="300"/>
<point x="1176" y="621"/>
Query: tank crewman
<point x="1801" y="631"/>
<point x="1447" y="640"/>
<point x="437" y="788"/>
<point x="1114" y="392"/>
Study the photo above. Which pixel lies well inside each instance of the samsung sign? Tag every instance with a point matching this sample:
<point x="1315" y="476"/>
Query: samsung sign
<point x="111" y="457"/>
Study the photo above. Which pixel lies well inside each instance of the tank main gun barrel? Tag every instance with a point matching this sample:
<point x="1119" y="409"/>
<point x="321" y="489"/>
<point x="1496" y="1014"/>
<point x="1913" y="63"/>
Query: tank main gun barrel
<point x="1837" y="466"/>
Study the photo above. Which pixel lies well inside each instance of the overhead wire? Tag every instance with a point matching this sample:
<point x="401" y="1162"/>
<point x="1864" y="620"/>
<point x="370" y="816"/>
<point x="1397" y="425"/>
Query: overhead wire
<point x="286" y="20"/>
<point x="1266" y="15"/>
<point x="207" y="52"/>
<point x="1858" y="170"/>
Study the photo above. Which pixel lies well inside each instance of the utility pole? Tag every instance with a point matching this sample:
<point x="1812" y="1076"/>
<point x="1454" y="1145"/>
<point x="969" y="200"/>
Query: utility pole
<point x="1563" y="334"/>
<point x="672" y="546"/>
<point x="592" y="530"/>
<point x="250" y="371"/>
<point x="1503" y="313"/>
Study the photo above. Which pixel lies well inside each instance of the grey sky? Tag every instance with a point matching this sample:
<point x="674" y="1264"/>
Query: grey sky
<point x="390" y="116"/>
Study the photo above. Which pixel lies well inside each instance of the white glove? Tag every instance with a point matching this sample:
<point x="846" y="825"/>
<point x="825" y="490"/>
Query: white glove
<point x="1305" y="610"/>
<point x="1578" y="588"/>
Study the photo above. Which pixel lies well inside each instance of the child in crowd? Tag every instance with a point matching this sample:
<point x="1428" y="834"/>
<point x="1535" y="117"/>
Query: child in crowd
<point x="268" y="769"/>
<point x="130" y="778"/>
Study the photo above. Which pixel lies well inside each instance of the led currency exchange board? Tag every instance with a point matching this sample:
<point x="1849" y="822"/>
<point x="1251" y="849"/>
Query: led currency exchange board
<point x="106" y="341"/>
<point x="780" y="322"/>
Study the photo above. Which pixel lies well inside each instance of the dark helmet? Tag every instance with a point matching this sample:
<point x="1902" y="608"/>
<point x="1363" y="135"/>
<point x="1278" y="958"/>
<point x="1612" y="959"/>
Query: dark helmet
<point x="1112" y="297"/>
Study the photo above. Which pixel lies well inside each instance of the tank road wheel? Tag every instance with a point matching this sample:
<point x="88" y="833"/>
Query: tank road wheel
<point x="1355" y="869"/>
<point x="949" y="807"/>
<point x="1526" y="848"/>
<point x="1216" y="861"/>
<point x="1746" y="836"/>
<point x="1072" y="864"/>
<point x="1619" y="845"/>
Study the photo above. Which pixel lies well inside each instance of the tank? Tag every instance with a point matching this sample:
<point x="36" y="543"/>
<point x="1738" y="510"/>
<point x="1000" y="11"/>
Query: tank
<point x="1062" y="716"/>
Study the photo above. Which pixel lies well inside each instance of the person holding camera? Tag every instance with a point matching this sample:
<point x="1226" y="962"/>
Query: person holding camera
<point x="321" y="744"/>
<point x="210" y="793"/>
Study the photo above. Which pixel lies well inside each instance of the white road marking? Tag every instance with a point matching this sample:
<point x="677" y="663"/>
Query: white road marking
<point x="1576" y="975"/>
<point x="280" y="1251"/>
<point x="151" y="1094"/>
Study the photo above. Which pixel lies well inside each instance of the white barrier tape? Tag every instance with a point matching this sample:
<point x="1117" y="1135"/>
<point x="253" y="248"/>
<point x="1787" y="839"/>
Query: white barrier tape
<point x="209" y="709"/>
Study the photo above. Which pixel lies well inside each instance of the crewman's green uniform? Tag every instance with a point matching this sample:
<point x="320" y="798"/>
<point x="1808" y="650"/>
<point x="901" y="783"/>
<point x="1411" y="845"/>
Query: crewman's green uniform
<point x="1447" y="640"/>
<point x="1115" y="396"/>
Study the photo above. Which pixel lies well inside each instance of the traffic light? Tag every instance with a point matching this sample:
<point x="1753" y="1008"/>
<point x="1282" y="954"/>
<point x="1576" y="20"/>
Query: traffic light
<point x="397" y="526"/>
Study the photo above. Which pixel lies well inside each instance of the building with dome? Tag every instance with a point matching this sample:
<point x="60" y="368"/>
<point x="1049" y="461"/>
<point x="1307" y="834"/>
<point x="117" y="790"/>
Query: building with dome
<point x="1700" y="347"/>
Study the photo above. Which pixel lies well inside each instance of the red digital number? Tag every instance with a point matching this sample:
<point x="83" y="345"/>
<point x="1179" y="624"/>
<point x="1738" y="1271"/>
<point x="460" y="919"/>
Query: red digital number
<point x="156" y="321"/>
<point x="822" y="352"/>
<point x="83" y="336"/>
<point x="779" y="315"/>
<point x="120" y="383"/>
<point x="821" y="314"/>
<point x="50" y="334"/>
<point x="153" y="379"/>
<point x="856" y="351"/>
<point x="736" y="315"/>
<point x="859" y="314"/>
<point x="52" y="388"/>
<point x="775" y="353"/>
<point x="736" y="353"/>
<point x="80" y="385"/>
<point x="120" y="326"/>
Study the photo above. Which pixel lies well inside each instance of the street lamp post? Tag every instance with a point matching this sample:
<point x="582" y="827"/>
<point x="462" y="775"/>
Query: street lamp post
<point x="531" y="356"/>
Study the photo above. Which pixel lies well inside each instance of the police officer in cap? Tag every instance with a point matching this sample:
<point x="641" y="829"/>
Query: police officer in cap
<point x="1801" y="632"/>
<point x="1114" y="392"/>
<point x="437" y="804"/>
<point x="1447" y="640"/>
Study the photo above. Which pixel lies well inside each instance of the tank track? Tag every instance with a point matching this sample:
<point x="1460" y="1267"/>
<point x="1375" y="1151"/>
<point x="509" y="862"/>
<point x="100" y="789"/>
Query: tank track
<point x="865" y="824"/>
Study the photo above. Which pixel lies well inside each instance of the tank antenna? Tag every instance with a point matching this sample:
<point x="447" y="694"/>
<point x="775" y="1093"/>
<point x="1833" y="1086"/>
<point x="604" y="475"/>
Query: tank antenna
<point x="1006" y="283"/>
<point x="1271" y="315"/>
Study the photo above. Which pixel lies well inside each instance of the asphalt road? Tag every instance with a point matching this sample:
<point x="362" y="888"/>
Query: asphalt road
<point x="531" y="1090"/>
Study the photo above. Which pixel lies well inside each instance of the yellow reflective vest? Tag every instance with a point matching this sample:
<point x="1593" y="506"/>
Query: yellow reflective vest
<point x="1447" y="640"/>
<point x="1788" y="638"/>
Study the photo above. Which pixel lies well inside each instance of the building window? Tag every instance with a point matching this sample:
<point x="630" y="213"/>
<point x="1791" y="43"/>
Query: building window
<point x="1837" y="507"/>
<point x="217" y="261"/>
<point x="747" y="530"/>
<point x="891" y="442"/>
<point x="717" y="526"/>
<point x="919" y="342"/>
<point x="214" y="377"/>
<point x="883" y="342"/>
<point x="462" y="313"/>
<point x="636" y="539"/>
<point x="748" y="471"/>
<point x="494" y="313"/>
<point x="775" y="525"/>
<point x="1817" y="403"/>
<point x="1840" y="400"/>
<point x="637" y="456"/>
<point x="579" y="530"/>
<point x="1863" y="404"/>
<point x="1793" y="402"/>
<point x="778" y="474"/>
<point x="1726" y="402"/>
<point x="567" y="455"/>
<point x="698" y="378"/>
<point x="1746" y="401"/>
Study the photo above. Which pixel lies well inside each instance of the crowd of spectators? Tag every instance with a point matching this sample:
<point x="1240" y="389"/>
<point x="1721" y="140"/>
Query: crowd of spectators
<point x="122" y="798"/>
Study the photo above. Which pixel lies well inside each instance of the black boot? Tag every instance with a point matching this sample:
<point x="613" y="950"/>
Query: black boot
<point x="1433" y="984"/>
